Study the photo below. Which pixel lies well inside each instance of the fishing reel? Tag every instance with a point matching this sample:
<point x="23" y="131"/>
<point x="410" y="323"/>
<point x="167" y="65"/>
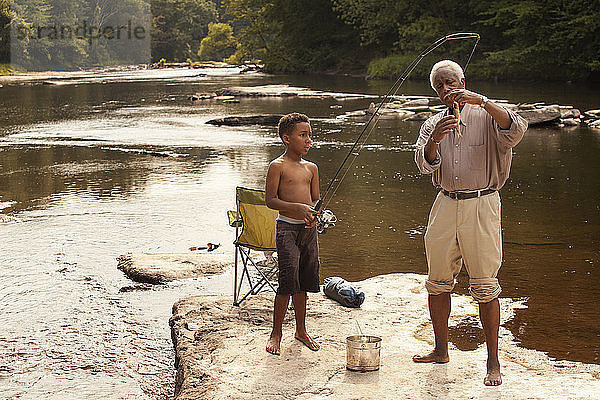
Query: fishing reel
<point x="325" y="219"/>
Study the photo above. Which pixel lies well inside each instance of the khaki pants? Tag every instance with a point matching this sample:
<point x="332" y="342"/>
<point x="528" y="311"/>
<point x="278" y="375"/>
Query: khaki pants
<point x="464" y="231"/>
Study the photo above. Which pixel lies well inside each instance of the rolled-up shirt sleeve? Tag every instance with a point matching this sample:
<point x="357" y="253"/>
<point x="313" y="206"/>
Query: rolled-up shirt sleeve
<point x="424" y="134"/>
<point x="510" y="137"/>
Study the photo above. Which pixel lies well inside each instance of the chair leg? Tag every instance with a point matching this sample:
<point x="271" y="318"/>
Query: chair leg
<point x="235" y="291"/>
<point x="254" y="287"/>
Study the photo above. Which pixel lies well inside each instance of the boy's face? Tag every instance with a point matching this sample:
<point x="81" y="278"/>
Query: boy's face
<point x="299" y="140"/>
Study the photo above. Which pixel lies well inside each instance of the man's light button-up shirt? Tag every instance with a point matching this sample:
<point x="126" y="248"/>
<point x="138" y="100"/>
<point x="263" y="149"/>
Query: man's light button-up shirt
<point x="480" y="159"/>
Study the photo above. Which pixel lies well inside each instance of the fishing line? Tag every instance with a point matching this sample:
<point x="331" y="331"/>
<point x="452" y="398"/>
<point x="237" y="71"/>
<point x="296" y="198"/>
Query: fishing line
<point x="376" y="115"/>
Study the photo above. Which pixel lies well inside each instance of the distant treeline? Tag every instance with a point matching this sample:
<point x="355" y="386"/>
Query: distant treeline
<point x="527" y="39"/>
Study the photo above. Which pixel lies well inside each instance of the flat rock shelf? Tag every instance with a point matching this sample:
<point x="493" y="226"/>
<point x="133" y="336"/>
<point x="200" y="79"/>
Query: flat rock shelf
<point x="220" y="351"/>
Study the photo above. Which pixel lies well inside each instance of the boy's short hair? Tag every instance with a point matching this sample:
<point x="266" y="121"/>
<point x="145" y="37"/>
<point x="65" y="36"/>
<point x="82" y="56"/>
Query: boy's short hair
<point x="287" y="123"/>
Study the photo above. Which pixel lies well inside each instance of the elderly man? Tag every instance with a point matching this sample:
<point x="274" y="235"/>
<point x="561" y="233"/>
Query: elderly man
<point x="469" y="160"/>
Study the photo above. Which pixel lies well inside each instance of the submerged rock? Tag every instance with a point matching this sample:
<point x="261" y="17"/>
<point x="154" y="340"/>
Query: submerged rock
<point x="160" y="268"/>
<point x="202" y="96"/>
<point x="594" y="124"/>
<point x="420" y="116"/>
<point x="268" y="120"/>
<point x="287" y="91"/>
<point x="570" y="122"/>
<point x="569" y="112"/>
<point x="593" y="113"/>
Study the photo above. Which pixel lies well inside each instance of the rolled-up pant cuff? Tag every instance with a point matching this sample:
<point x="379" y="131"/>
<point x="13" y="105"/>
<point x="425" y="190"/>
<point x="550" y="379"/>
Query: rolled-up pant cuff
<point x="484" y="290"/>
<point x="438" y="287"/>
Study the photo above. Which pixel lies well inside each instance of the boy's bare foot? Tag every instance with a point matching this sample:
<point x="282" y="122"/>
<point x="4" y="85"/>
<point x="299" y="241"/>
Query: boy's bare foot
<point x="493" y="377"/>
<point x="308" y="341"/>
<point x="432" y="357"/>
<point x="273" y="344"/>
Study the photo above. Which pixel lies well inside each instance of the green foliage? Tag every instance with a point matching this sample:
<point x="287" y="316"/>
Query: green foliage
<point x="393" y="66"/>
<point x="5" y="18"/>
<point x="5" y="69"/>
<point x="294" y="35"/>
<point x="66" y="34"/>
<point x="219" y="44"/>
<point x="553" y="40"/>
<point x="178" y="26"/>
<point x="521" y="39"/>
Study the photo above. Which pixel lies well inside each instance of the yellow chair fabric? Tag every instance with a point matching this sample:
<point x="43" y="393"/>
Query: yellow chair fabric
<point x="258" y="221"/>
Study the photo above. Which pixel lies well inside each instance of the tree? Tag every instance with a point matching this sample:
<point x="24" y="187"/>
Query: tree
<point x="178" y="26"/>
<point x="294" y="35"/>
<point x="553" y="40"/>
<point x="5" y="18"/>
<point x="219" y="44"/>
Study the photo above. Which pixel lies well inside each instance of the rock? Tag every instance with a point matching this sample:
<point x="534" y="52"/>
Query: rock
<point x="420" y="116"/>
<point x="417" y="108"/>
<point x="388" y="111"/>
<point x="594" y="124"/>
<point x="570" y="122"/>
<point x="540" y="115"/>
<point x="202" y="96"/>
<point x="287" y="91"/>
<point x="161" y="268"/>
<point x="268" y="120"/>
<point x="220" y="351"/>
<point x="569" y="112"/>
<point x="416" y="103"/>
<point x="136" y="288"/>
<point x="510" y="106"/>
<point x="6" y="219"/>
<point x="224" y="98"/>
<point x="593" y="113"/>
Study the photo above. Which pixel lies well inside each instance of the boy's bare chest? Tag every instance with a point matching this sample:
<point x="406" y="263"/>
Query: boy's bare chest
<point x="296" y="175"/>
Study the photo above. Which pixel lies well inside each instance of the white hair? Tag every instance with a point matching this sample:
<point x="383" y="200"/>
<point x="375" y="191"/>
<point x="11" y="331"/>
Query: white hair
<point x="446" y="64"/>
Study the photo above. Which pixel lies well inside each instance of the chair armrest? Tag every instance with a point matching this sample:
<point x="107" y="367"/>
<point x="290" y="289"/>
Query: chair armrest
<point x="234" y="219"/>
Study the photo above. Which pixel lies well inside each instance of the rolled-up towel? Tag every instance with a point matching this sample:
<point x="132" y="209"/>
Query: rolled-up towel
<point x="341" y="290"/>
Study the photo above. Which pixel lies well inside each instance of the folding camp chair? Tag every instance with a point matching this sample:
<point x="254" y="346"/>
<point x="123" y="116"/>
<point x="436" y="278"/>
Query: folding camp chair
<point x="258" y="224"/>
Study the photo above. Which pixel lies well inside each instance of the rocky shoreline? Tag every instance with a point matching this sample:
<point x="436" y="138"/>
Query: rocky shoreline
<point x="407" y="108"/>
<point x="220" y="354"/>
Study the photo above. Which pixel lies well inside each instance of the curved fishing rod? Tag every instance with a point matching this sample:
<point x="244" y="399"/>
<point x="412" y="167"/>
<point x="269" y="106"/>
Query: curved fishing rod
<point x="391" y="92"/>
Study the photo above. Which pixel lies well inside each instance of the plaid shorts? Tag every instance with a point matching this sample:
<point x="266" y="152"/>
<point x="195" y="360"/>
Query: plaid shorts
<point x="298" y="258"/>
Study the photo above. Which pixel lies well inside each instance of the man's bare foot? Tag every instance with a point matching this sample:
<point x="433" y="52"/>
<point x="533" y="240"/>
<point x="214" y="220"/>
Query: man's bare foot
<point x="273" y="344"/>
<point x="432" y="357"/>
<point x="308" y="341"/>
<point x="493" y="377"/>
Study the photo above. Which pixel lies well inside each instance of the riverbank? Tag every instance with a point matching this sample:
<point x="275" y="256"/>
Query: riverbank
<point x="8" y="75"/>
<point x="220" y="351"/>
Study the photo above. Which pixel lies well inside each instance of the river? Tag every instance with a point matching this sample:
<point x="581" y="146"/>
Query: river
<point x="94" y="167"/>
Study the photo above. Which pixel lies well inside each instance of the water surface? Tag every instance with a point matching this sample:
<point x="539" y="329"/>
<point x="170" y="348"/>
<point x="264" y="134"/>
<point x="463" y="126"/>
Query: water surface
<point x="93" y="168"/>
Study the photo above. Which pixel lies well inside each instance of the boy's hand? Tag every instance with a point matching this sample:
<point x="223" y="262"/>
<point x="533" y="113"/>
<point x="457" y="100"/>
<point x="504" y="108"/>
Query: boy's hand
<point x="308" y="214"/>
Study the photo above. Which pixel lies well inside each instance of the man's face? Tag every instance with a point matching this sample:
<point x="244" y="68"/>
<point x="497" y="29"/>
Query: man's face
<point x="299" y="139"/>
<point x="445" y="81"/>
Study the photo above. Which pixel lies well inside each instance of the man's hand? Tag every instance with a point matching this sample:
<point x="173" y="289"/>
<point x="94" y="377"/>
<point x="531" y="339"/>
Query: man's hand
<point x="462" y="96"/>
<point x="444" y="126"/>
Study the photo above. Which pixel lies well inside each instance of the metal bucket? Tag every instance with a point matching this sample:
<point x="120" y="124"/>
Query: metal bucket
<point x="362" y="352"/>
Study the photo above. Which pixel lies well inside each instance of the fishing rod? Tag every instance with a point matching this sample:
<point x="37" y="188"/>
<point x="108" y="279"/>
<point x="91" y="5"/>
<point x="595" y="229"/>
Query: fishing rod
<point x="326" y="217"/>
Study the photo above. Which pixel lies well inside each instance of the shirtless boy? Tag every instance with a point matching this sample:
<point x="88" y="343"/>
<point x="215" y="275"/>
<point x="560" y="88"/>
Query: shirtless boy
<point x="292" y="187"/>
